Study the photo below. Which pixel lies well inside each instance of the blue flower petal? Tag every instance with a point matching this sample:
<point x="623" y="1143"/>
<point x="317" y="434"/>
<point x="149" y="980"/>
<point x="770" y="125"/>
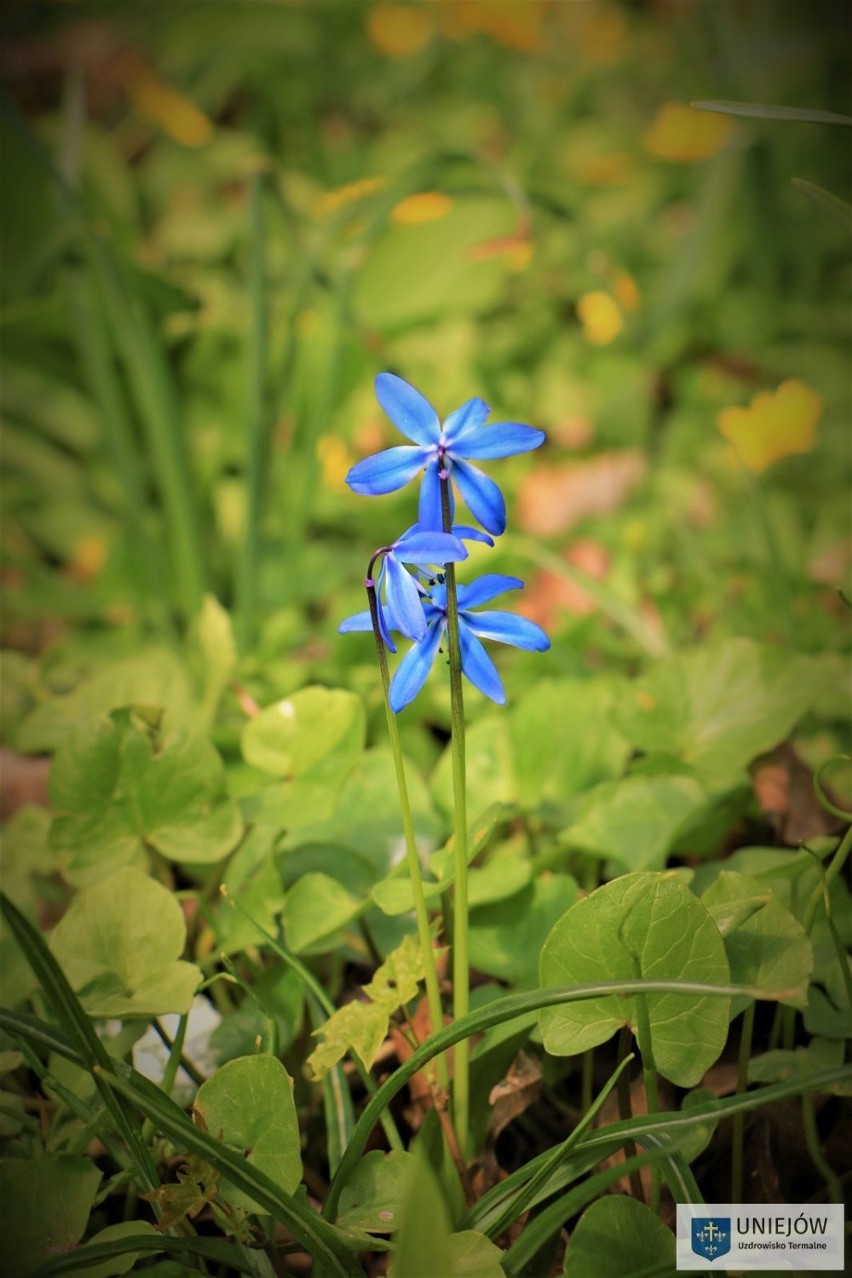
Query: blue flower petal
<point x="422" y="547"/>
<point x="387" y="471"/>
<point x="471" y="415"/>
<point x="478" y="666"/>
<point x="413" y="670"/>
<point x="467" y="533"/>
<point x="409" y="411"/>
<point x="485" y="588"/>
<point x="363" y="621"/>
<point x="506" y="627"/>
<point x="502" y="439"/>
<point x="481" y="495"/>
<point x="403" y="600"/>
<point x="358" y="621"/>
<point x="429" y="514"/>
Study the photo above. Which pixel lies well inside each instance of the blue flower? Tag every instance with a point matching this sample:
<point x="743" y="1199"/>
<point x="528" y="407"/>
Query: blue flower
<point x="505" y="627"/>
<point x="403" y="607"/>
<point x="441" y="450"/>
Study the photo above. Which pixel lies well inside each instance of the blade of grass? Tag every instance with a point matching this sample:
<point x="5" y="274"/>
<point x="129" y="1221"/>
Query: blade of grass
<point x="498" y="1012"/>
<point x="522" y="1200"/>
<point x="149" y="377"/>
<point x="95" y="1253"/>
<point x="259" y="423"/>
<point x="542" y="1226"/>
<point x="329" y="1246"/>
<point x="80" y="1031"/>
<point x="836" y="208"/>
<point x="764" y="111"/>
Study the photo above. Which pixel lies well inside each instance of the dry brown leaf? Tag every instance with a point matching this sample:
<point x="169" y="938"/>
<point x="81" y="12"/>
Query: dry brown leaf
<point x="549" y="594"/>
<point x="784" y="789"/>
<point x="555" y="498"/>
<point x="22" y="780"/>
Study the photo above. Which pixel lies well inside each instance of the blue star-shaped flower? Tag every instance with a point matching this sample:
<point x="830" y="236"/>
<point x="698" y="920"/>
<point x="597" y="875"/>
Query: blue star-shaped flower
<point x="505" y="627"/>
<point x="442" y="450"/>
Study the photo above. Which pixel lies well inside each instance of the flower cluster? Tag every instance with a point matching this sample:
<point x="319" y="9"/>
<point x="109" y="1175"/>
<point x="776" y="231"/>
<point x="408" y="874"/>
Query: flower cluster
<point x="415" y="604"/>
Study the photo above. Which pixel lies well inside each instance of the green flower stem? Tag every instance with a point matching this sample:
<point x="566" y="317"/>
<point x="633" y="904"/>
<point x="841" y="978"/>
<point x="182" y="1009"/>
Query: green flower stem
<point x="433" y="991"/>
<point x="738" y="1127"/>
<point x="649" y="1071"/>
<point x="461" y="963"/>
<point x="833" y="1186"/>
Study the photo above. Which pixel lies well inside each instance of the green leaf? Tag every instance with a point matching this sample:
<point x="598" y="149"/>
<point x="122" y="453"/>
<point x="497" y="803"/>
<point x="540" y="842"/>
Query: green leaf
<point x="438" y="260"/>
<point x="120" y="944"/>
<point x="44" y="1207"/>
<point x="422" y="1247"/>
<point x="317" y="732"/>
<point x="801" y="1062"/>
<point x="359" y="1026"/>
<point x="316" y="907"/>
<point x="619" y="1235"/>
<point x="489" y="769"/>
<point x="212" y="636"/>
<point x="764" y="111"/>
<point x="252" y="878"/>
<point x="641" y="924"/>
<point x="717" y="707"/>
<point x="372" y="1199"/>
<point x="362" y="1026"/>
<point x="563" y="741"/>
<point x="636" y="820"/>
<point x="155" y="677"/>
<point x="766" y="946"/>
<point x="114" y="1234"/>
<point x="117" y="788"/>
<point x="504" y="937"/>
<point x="249" y="1104"/>
<point x="394" y="894"/>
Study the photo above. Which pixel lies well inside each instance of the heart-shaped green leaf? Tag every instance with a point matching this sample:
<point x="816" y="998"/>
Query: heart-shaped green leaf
<point x="641" y="925"/>
<point x="120" y="944"/>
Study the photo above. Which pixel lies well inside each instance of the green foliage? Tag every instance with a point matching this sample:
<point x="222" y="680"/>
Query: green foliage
<point x="248" y="1103"/>
<point x="120" y="944"/>
<point x="647" y="925"/>
<point x="44" y="1206"/>
<point x="619" y="1235"/>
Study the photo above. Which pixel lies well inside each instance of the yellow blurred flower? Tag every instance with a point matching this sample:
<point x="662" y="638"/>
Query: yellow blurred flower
<point x="335" y="459"/>
<point x="626" y="291"/>
<point x="513" y="23"/>
<point x="427" y="206"/>
<point x="601" y="317"/>
<point x="776" y="424"/>
<point x="399" y="29"/>
<point x="169" y="110"/>
<point x="680" y="133"/>
<point x="88" y="556"/>
<point x="330" y="201"/>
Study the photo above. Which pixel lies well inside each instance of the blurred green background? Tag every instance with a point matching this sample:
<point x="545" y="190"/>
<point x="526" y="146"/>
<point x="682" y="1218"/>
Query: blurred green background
<point x="219" y="221"/>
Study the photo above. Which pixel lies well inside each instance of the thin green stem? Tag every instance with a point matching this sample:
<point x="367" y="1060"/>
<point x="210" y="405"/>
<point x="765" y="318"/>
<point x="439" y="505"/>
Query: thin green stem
<point x="172" y="1066"/>
<point x="461" y="961"/>
<point x="738" y="1129"/>
<point x="625" y="1110"/>
<point x="421" y="913"/>
<point x="246" y="584"/>
<point x="649" y="1073"/>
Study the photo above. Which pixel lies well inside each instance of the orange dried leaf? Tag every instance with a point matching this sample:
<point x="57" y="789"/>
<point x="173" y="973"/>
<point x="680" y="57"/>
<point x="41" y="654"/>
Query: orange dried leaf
<point x="555" y="498"/>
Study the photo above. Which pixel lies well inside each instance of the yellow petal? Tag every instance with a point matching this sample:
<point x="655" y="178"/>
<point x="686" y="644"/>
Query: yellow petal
<point x="681" y="133"/>
<point x="170" y="110"/>
<point x="776" y="424"/>
<point x="399" y="29"/>
<point x="428" y="206"/>
<point x="601" y="318"/>
<point x="626" y="291"/>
